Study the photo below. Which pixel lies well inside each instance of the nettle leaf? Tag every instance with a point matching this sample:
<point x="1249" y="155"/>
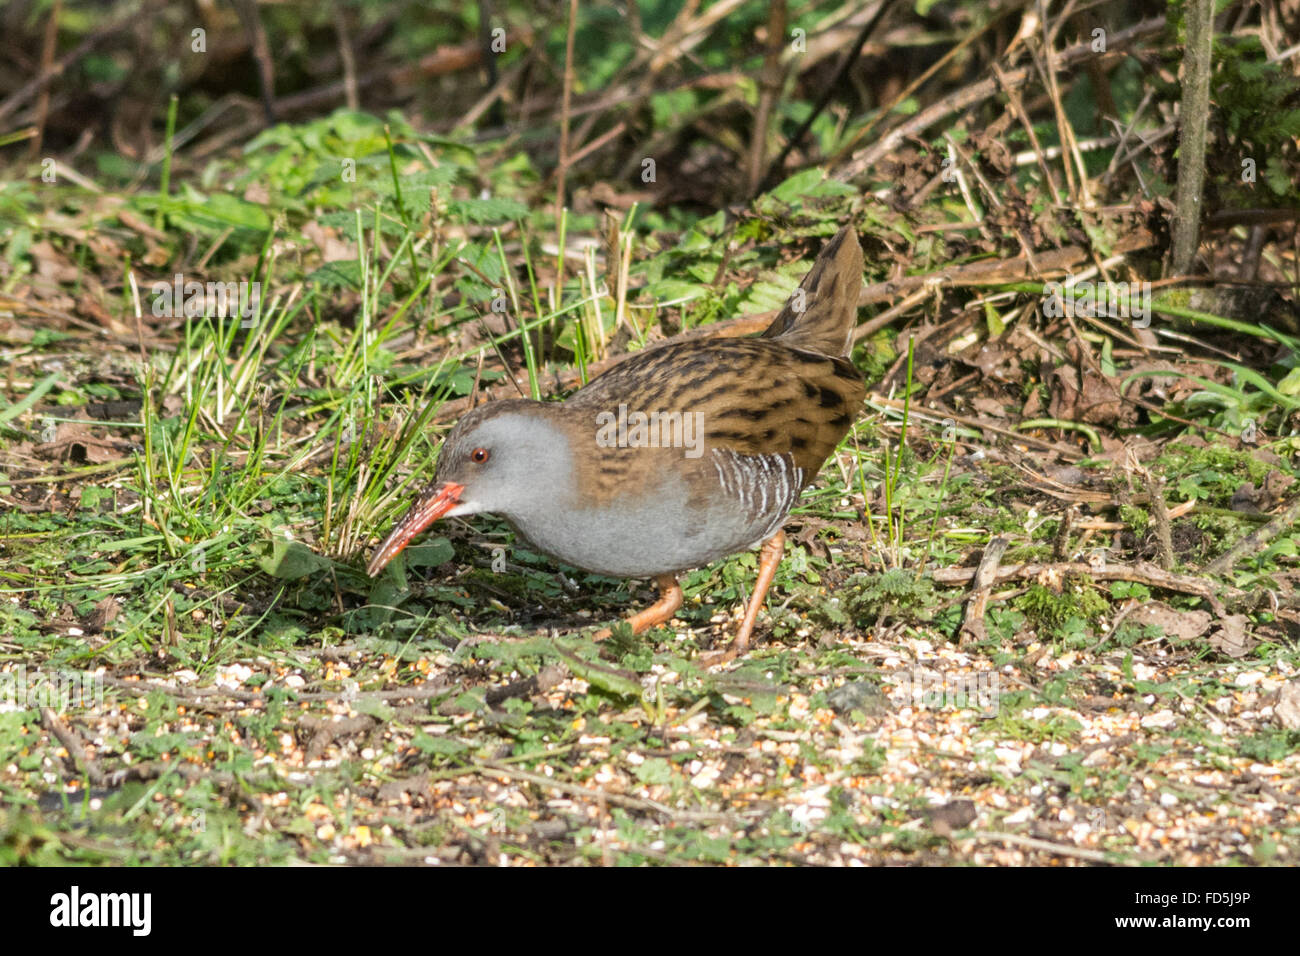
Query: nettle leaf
<point x="484" y="258"/>
<point x="608" y="679"/>
<point x="1277" y="176"/>
<point x="492" y="209"/>
<point x="342" y="274"/>
<point x="226" y="210"/>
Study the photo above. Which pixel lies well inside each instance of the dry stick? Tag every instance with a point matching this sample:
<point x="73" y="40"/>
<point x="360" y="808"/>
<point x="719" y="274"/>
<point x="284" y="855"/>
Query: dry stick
<point x="1061" y="543"/>
<point x="486" y="14"/>
<point x="345" y="57"/>
<point x="774" y="171"/>
<point x="596" y="143"/>
<point x="75" y="746"/>
<point x="1139" y="573"/>
<point x="47" y="61"/>
<point x="563" y="167"/>
<point x="1000" y="271"/>
<point x="1049" y="69"/>
<point x="769" y="85"/>
<point x="1256" y="540"/>
<point x="874" y="324"/>
<point x="983" y="90"/>
<point x="1227" y="218"/>
<point x="1017" y="109"/>
<point x="1043" y="846"/>
<point x="424" y="691"/>
<point x="541" y="682"/>
<point x="221" y="778"/>
<point x="25" y="92"/>
<point x="1194" y="116"/>
<point x="261" y="48"/>
<point x="972" y="625"/>
<point x="644" y="46"/>
<point x="939" y="64"/>
<point x="652" y="57"/>
<point x="1160" y="514"/>
<point x="325" y="731"/>
<point x="618" y="799"/>
<point x="505" y="82"/>
<point x="442" y="61"/>
<point x="1065" y="452"/>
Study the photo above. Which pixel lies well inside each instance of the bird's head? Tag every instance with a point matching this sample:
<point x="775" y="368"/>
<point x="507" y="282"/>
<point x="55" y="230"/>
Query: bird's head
<point x="502" y="458"/>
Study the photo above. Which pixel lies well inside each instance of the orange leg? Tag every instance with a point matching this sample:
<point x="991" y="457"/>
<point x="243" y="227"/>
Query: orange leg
<point x="661" y="612"/>
<point x="769" y="558"/>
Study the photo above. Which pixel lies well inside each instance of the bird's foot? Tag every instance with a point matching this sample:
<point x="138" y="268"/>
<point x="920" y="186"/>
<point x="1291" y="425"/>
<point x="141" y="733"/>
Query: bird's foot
<point x="768" y="560"/>
<point x="724" y="656"/>
<point x="661" y="612"/>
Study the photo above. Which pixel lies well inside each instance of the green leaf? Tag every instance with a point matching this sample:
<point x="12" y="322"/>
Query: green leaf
<point x="446" y="746"/>
<point x="30" y="399"/>
<point x="675" y="290"/>
<point x="226" y="209"/>
<point x="655" y="770"/>
<point x="798" y="186"/>
<point x="486" y="210"/>
<point x="430" y="554"/>
<point x="341" y="274"/>
<point x="290" y="560"/>
<point x="598" y="675"/>
<point x="1290" y="384"/>
<point x="374" y="708"/>
<point x="92" y="495"/>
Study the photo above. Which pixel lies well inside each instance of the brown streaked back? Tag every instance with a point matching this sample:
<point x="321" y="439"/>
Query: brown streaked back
<point x="754" y="396"/>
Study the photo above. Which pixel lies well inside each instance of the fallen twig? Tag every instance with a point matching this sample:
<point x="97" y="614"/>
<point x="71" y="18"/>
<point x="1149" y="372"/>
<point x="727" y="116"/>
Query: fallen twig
<point x="1254" y="542"/>
<point x="1140" y="573"/>
<point x="75" y="746"/>
<point x="972" y="625"/>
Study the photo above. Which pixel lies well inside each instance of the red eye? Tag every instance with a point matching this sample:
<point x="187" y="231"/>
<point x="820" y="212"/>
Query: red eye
<point x="479" y="455"/>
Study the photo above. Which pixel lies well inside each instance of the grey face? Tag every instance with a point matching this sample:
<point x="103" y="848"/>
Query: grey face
<point x="508" y="461"/>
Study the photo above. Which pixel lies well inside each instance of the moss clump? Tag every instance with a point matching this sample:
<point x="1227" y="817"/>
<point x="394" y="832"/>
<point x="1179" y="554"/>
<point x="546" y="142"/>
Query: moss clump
<point x="1052" y="612"/>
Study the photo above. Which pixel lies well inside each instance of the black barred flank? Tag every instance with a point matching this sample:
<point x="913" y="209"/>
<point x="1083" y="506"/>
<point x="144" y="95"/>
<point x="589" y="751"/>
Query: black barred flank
<point x="752" y="414"/>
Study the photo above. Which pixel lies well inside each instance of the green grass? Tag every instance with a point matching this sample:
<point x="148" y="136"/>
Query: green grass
<point x="215" y="554"/>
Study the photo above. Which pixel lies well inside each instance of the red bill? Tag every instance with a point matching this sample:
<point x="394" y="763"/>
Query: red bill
<point x="424" y="513"/>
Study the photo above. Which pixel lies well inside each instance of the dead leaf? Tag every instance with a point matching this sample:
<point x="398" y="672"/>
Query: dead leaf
<point x="988" y="406"/>
<point x="74" y="441"/>
<point x="1177" y="625"/>
<point x="956" y="815"/>
<point x="102" y="614"/>
<point x="52" y="264"/>
<point x="1231" y="638"/>
<point x="1287" y="710"/>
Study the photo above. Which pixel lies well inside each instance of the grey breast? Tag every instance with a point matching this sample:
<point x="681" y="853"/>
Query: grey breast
<point x="677" y="527"/>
